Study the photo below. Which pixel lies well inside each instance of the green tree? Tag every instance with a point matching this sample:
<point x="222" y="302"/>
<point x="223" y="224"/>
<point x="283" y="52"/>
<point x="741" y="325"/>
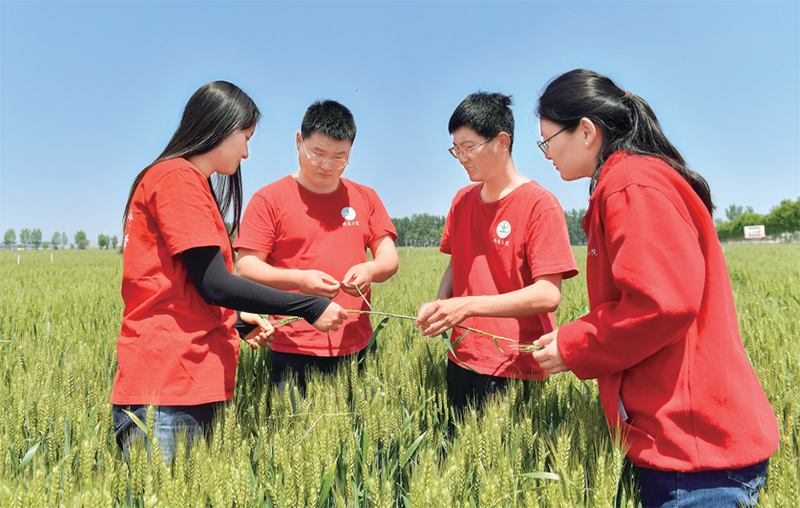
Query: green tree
<point x="80" y="240"/>
<point x="25" y="237"/>
<point x="9" y="238"/>
<point x="55" y="240"/>
<point x="36" y="238"/>
<point x="64" y="239"/>
<point x="102" y="241"/>
<point x="419" y="230"/>
<point x="114" y="241"/>
<point x="574" y="220"/>
<point x="733" y="212"/>
<point x="785" y="218"/>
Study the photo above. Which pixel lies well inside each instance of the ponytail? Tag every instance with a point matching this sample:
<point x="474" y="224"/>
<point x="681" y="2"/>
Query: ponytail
<point x="626" y="121"/>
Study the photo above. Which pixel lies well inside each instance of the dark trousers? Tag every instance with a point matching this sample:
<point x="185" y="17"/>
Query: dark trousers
<point x="286" y="364"/>
<point x="465" y="387"/>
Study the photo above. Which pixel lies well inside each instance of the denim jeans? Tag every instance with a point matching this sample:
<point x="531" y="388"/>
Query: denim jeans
<point x="168" y="422"/>
<point x="721" y="488"/>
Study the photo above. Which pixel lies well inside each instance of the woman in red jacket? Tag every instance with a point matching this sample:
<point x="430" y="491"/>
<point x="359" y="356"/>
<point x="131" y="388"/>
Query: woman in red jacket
<point x="662" y="337"/>
<point x="179" y="342"/>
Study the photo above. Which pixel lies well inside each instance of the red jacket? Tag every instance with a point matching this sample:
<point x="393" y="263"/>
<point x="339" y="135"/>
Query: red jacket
<point x="662" y="337"/>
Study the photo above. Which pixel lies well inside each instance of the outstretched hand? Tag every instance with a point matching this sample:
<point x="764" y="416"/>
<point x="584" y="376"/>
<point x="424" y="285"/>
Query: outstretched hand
<point x="318" y="283"/>
<point x="549" y="357"/>
<point x="333" y="316"/>
<point x="260" y="336"/>
<point x="358" y="278"/>
<point x="435" y="318"/>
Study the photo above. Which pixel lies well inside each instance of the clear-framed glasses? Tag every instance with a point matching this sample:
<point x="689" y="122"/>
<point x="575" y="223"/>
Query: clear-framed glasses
<point x="467" y="152"/>
<point x="543" y="144"/>
<point x="319" y="160"/>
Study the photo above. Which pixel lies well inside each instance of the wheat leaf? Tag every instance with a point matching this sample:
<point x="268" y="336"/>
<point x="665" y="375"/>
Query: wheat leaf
<point x="137" y="421"/>
<point x="28" y="456"/>
<point x="412" y="448"/>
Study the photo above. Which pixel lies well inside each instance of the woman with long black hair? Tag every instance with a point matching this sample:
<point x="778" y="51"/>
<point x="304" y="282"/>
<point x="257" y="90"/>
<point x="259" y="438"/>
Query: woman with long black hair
<point x="661" y="337"/>
<point x="179" y="343"/>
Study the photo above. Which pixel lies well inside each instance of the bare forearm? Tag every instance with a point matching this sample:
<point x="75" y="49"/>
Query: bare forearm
<point x="538" y="298"/>
<point x="256" y="270"/>
<point x="383" y="268"/>
<point x="385" y="261"/>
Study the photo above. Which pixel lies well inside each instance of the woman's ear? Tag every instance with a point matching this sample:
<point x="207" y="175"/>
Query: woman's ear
<point x="592" y="137"/>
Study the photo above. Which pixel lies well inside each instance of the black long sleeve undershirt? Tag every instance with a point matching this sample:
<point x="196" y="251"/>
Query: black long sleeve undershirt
<point x="218" y="286"/>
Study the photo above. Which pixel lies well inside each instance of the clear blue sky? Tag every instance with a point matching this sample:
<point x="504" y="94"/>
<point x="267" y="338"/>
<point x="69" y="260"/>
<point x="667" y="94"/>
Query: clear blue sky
<point x="90" y="92"/>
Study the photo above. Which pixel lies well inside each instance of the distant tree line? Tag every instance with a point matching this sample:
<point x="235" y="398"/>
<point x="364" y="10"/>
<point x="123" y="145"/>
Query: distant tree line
<point x="419" y="230"/>
<point x="32" y="239"/>
<point x="784" y="218"/>
<point x="425" y="230"/>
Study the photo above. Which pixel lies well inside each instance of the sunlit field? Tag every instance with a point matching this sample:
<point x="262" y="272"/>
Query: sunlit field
<point x="379" y="435"/>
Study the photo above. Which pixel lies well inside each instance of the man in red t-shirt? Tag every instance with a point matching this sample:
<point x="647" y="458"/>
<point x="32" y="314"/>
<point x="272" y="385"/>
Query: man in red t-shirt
<point x="509" y="248"/>
<point x="308" y="232"/>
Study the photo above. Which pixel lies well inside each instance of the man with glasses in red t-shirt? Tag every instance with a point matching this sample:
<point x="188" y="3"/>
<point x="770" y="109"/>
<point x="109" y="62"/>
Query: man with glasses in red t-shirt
<point x="308" y="232"/>
<point x="509" y="247"/>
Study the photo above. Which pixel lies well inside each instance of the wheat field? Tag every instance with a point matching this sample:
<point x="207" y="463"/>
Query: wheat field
<point x="379" y="434"/>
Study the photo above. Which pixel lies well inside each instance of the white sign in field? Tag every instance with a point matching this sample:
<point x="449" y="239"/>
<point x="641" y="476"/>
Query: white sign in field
<point x="754" y="232"/>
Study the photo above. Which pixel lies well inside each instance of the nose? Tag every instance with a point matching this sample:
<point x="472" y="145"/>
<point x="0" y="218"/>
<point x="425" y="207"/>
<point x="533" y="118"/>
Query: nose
<point x="547" y="156"/>
<point x="246" y="152"/>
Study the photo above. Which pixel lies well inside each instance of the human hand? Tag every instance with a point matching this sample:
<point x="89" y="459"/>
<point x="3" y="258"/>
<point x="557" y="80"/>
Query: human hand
<point x="315" y="282"/>
<point x="549" y="357"/>
<point x="358" y="278"/>
<point x="333" y="316"/>
<point x="260" y="336"/>
<point x="435" y="318"/>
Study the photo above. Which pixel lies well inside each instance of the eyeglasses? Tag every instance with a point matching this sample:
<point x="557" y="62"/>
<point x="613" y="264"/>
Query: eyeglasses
<point x="543" y="144"/>
<point x="466" y="152"/>
<point x="319" y="160"/>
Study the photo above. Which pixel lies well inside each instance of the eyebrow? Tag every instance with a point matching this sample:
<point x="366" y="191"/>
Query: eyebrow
<point x="320" y="151"/>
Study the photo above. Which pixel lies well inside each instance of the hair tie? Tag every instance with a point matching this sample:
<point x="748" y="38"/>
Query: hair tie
<point x="627" y="94"/>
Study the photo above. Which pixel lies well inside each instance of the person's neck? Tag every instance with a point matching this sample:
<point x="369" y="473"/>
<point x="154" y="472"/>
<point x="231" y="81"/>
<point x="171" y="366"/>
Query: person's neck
<point x="503" y="181"/>
<point x="202" y="165"/>
<point x="316" y="189"/>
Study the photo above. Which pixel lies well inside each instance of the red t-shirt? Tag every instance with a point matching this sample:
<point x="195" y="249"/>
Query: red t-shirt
<point x="501" y="247"/>
<point x="304" y="230"/>
<point x="662" y="337"/>
<point x="174" y="348"/>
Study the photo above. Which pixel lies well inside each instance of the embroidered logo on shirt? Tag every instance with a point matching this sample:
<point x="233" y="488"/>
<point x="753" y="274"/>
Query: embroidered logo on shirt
<point x="503" y="229"/>
<point x="590" y="252"/>
<point x="348" y="213"/>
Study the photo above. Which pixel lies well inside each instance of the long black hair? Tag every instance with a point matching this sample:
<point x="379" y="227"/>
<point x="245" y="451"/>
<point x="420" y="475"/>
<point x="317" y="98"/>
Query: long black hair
<point x="626" y="122"/>
<point x="213" y="112"/>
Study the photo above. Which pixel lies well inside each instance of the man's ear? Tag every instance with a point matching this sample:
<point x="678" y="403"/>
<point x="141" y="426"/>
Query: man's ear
<point x="504" y="140"/>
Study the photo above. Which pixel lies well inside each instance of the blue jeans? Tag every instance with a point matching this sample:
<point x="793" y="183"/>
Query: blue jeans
<point x="721" y="488"/>
<point x="168" y="421"/>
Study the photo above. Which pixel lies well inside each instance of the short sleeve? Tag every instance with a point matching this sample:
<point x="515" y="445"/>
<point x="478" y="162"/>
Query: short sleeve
<point x="257" y="230"/>
<point x="547" y="245"/>
<point x="380" y="224"/>
<point x="446" y="246"/>
<point x="185" y="211"/>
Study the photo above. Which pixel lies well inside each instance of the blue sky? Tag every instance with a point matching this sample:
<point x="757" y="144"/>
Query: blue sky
<point x="90" y="92"/>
